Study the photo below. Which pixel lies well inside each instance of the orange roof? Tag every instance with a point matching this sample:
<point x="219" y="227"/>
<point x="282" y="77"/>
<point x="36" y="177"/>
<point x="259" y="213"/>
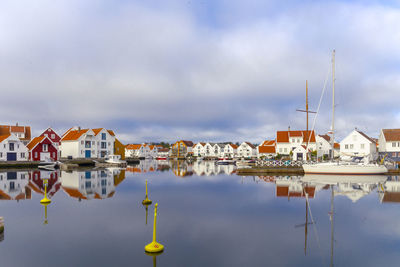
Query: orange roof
<point x="268" y="143"/>
<point x="233" y="146"/>
<point x="8" y="129"/>
<point x="3" y="195"/>
<point x="283" y="136"/>
<point x="266" y="149"/>
<point x="391" y="134"/>
<point x="133" y="146"/>
<point x="111" y="132"/>
<point x="34" y="142"/>
<point x="98" y="130"/>
<point x="74" y="135"/>
<point x="4" y="137"/>
<point x="72" y="192"/>
<point x="336" y="145"/>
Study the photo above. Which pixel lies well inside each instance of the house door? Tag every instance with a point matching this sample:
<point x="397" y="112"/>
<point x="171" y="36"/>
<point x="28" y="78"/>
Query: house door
<point x="44" y="156"/>
<point x="11" y="156"/>
<point x="87" y="153"/>
<point x="299" y="156"/>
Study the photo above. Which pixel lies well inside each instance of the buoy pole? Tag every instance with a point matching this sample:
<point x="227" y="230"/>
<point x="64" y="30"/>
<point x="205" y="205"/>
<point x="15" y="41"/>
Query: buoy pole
<point x="146" y="200"/>
<point x="154" y="246"/>
<point x="45" y="200"/>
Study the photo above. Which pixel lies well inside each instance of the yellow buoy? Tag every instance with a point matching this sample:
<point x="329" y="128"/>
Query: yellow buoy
<point x="154" y="246"/>
<point x="146" y="201"/>
<point x="45" y="199"/>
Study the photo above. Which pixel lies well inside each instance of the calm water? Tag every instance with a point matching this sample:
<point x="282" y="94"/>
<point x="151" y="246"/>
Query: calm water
<point x="208" y="216"/>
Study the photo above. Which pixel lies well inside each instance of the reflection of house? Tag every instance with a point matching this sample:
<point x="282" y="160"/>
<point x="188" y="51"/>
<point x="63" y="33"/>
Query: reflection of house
<point x="12" y="148"/>
<point x="181" y="168"/>
<point x="42" y="148"/>
<point x="36" y="182"/>
<point x="358" y="144"/>
<point x="22" y="132"/>
<point x="95" y="184"/>
<point x="292" y="187"/>
<point x="389" y="143"/>
<point x="182" y="149"/>
<point x="87" y="143"/>
<point x="14" y="186"/>
<point x="246" y="150"/>
<point x="390" y="191"/>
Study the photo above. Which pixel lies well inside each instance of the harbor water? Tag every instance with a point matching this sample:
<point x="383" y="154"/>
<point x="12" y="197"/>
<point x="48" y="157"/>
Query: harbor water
<point x="207" y="216"/>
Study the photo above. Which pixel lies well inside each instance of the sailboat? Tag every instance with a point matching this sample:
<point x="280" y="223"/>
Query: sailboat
<point x="339" y="167"/>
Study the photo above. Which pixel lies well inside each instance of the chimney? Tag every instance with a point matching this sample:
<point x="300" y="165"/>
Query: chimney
<point x="16" y="124"/>
<point x="289" y="128"/>
<point x="79" y="129"/>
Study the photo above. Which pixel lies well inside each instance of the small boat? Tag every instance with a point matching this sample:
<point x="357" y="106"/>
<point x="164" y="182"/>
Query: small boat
<point x="114" y="159"/>
<point x="225" y="162"/>
<point x="49" y="164"/>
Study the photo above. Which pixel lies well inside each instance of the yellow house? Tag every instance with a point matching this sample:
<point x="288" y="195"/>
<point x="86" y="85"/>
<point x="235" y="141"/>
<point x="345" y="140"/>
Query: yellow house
<point x="119" y="148"/>
<point x="182" y="149"/>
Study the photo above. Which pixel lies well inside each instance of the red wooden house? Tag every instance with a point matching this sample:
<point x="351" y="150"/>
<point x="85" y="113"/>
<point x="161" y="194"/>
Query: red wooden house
<point x="42" y="148"/>
<point x="54" y="137"/>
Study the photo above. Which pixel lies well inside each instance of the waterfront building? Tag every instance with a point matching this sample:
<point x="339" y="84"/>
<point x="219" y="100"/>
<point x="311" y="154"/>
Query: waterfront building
<point x="246" y="150"/>
<point x="198" y="149"/>
<point x="358" y="144"/>
<point x="230" y="151"/>
<point x="181" y="149"/>
<point x="300" y="153"/>
<point x="87" y="143"/>
<point x="132" y="150"/>
<point x="54" y="137"/>
<point x="119" y="148"/>
<point x="287" y="141"/>
<point x="219" y="150"/>
<point x="267" y="149"/>
<point x="389" y="143"/>
<point x="12" y="148"/>
<point x="163" y="152"/>
<point x="22" y="132"/>
<point x="209" y="150"/>
<point x="41" y="148"/>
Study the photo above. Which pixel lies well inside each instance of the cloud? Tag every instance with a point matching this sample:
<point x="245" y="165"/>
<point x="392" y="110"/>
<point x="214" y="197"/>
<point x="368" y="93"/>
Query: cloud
<point x="210" y="70"/>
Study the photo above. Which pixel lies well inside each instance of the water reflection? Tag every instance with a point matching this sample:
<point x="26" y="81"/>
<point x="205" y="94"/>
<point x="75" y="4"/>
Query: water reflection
<point x="183" y="168"/>
<point x="389" y="192"/>
<point x="92" y="184"/>
<point x="14" y="185"/>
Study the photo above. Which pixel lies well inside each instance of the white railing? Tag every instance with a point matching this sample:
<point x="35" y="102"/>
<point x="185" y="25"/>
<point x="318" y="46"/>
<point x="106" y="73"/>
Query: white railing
<point x="278" y="163"/>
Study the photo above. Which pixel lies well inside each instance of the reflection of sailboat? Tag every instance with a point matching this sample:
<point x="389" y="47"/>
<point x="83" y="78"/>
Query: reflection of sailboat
<point x="341" y="167"/>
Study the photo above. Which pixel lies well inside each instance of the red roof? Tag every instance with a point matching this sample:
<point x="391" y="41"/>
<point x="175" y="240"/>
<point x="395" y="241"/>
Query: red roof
<point x="283" y="136"/>
<point x="268" y="143"/>
<point x="233" y="146"/>
<point x="8" y="129"/>
<point x="266" y="149"/>
<point x="391" y="134"/>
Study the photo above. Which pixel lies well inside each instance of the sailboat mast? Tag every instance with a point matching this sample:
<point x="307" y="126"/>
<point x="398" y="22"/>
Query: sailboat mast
<point x="333" y="104"/>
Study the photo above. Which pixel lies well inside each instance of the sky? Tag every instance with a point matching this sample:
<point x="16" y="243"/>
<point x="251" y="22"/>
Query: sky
<point x="205" y="70"/>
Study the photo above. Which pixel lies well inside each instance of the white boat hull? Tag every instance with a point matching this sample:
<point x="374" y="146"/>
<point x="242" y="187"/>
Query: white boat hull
<point x="352" y="169"/>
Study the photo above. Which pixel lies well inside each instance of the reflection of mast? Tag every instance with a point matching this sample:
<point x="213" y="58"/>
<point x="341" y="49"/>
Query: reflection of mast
<point x="306" y="229"/>
<point x="332" y="221"/>
<point x="154" y="255"/>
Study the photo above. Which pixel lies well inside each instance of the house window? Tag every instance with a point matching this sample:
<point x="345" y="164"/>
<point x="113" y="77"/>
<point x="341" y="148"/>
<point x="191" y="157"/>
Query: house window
<point x="362" y="146"/>
<point x="35" y="154"/>
<point x="351" y="146"/>
<point x="23" y="155"/>
<point x="54" y="154"/>
<point x="82" y="142"/>
<point x="93" y="142"/>
<point x="11" y="145"/>
<point x="53" y="136"/>
<point x="103" y="145"/>
<point x="87" y="144"/>
<point x="1" y="154"/>
<point x="346" y="146"/>
<point x="45" y="147"/>
<point x="394" y="144"/>
<point x="103" y="136"/>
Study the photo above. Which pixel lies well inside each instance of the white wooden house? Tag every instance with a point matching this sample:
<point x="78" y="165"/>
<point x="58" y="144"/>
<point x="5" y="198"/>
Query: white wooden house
<point x="358" y="144"/>
<point x="198" y="149"/>
<point x="219" y="150"/>
<point x="209" y="150"/>
<point x="389" y="143"/>
<point x="300" y="153"/>
<point x="12" y="148"/>
<point x="87" y="143"/>
<point x="247" y="150"/>
<point x="267" y="149"/>
<point x="230" y="151"/>
<point x="287" y="141"/>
